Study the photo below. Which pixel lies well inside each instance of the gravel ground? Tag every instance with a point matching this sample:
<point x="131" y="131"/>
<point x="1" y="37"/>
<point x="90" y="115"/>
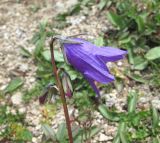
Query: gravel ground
<point x="18" y="24"/>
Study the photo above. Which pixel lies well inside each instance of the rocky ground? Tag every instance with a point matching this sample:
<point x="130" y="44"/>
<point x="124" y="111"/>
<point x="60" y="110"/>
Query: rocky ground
<point x="18" y="23"/>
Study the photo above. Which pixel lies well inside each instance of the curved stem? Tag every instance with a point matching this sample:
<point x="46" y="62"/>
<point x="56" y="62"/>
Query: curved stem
<point x="62" y="94"/>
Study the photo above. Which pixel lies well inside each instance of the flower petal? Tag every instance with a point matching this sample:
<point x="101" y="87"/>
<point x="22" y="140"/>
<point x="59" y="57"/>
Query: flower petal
<point x="88" y="64"/>
<point x="109" y="54"/>
<point x="91" y="82"/>
<point x="97" y="76"/>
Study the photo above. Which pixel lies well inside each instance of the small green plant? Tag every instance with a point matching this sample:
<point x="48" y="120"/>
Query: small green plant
<point x="136" y="28"/>
<point x="13" y="128"/>
<point x="79" y="134"/>
<point x="136" y="121"/>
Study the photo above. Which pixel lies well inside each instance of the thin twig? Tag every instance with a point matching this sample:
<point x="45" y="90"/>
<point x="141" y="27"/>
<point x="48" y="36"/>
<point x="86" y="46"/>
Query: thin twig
<point x="62" y="94"/>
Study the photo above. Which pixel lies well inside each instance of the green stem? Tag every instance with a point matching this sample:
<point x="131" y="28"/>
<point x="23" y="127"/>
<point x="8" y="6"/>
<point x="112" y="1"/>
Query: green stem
<point x="62" y="94"/>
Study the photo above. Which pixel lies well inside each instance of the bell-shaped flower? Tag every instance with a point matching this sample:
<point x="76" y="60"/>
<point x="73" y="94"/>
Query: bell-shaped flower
<point x="90" y="60"/>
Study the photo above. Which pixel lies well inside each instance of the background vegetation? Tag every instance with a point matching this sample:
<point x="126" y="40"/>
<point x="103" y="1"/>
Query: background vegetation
<point x="136" y="28"/>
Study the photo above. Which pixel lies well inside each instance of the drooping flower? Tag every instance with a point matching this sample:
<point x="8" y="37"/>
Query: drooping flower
<point x="90" y="60"/>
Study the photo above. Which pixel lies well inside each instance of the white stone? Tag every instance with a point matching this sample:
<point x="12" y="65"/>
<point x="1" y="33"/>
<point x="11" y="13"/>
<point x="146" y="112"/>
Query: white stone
<point x="32" y="79"/>
<point x="103" y="137"/>
<point x="38" y="127"/>
<point x="17" y="99"/>
<point x="23" y="67"/>
<point x="156" y="103"/>
<point x="143" y="99"/>
<point x="34" y="140"/>
<point x="13" y="111"/>
<point x="119" y="63"/>
<point x="22" y="110"/>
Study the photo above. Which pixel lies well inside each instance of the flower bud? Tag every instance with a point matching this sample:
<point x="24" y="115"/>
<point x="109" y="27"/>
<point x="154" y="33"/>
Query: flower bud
<point x="66" y="83"/>
<point x="49" y="91"/>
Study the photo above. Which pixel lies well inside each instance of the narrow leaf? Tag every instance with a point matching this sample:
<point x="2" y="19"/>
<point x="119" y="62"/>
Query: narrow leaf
<point x="137" y="78"/>
<point x="62" y="132"/>
<point x="115" y="19"/>
<point x="49" y="132"/>
<point x="132" y="101"/>
<point x="117" y="139"/>
<point x="13" y="85"/>
<point x="88" y="134"/>
<point x="155" y="117"/>
<point x="25" y="52"/>
<point x="113" y="116"/>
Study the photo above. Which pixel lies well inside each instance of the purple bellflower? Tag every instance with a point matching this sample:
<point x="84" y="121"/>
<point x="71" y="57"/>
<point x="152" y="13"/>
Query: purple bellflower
<point x="90" y="60"/>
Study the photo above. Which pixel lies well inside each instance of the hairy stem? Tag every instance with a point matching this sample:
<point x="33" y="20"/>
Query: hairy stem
<point x="62" y="94"/>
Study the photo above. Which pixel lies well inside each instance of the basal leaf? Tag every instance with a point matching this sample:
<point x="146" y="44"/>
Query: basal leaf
<point x="117" y="139"/>
<point x="140" y="63"/>
<point x="155" y="117"/>
<point x="153" y="53"/>
<point x="13" y="85"/>
<point x="113" y="116"/>
<point x="137" y="78"/>
<point x="25" y="52"/>
<point x="87" y="134"/>
<point x="49" y="132"/>
<point x="115" y="19"/>
<point x="62" y="132"/>
<point x="132" y="101"/>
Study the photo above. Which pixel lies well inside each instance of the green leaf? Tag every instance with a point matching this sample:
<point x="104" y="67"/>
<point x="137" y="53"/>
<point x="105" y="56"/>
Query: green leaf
<point x="13" y="85"/>
<point x="140" y="23"/>
<point x="140" y="133"/>
<point x="117" y="139"/>
<point x="155" y="117"/>
<point x="25" y="52"/>
<point x="156" y="140"/>
<point x="93" y="131"/>
<point x="49" y="132"/>
<point x="99" y="41"/>
<point x="137" y="78"/>
<point x="153" y="53"/>
<point x="57" y="55"/>
<point x="73" y="74"/>
<point x="62" y="132"/>
<point x="130" y="53"/>
<point x="115" y="19"/>
<point x="122" y="132"/>
<point x="102" y="4"/>
<point x="20" y="132"/>
<point x="113" y="116"/>
<point x="25" y="135"/>
<point x="87" y="134"/>
<point x="125" y="40"/>
<point x="132" y="101"/>
<point x="43" y="25"/>
<point x="122" y="127"/>
<point x="123" y="137"/>
<point x="140" y="63"/>
<point x="120" y="137"/>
